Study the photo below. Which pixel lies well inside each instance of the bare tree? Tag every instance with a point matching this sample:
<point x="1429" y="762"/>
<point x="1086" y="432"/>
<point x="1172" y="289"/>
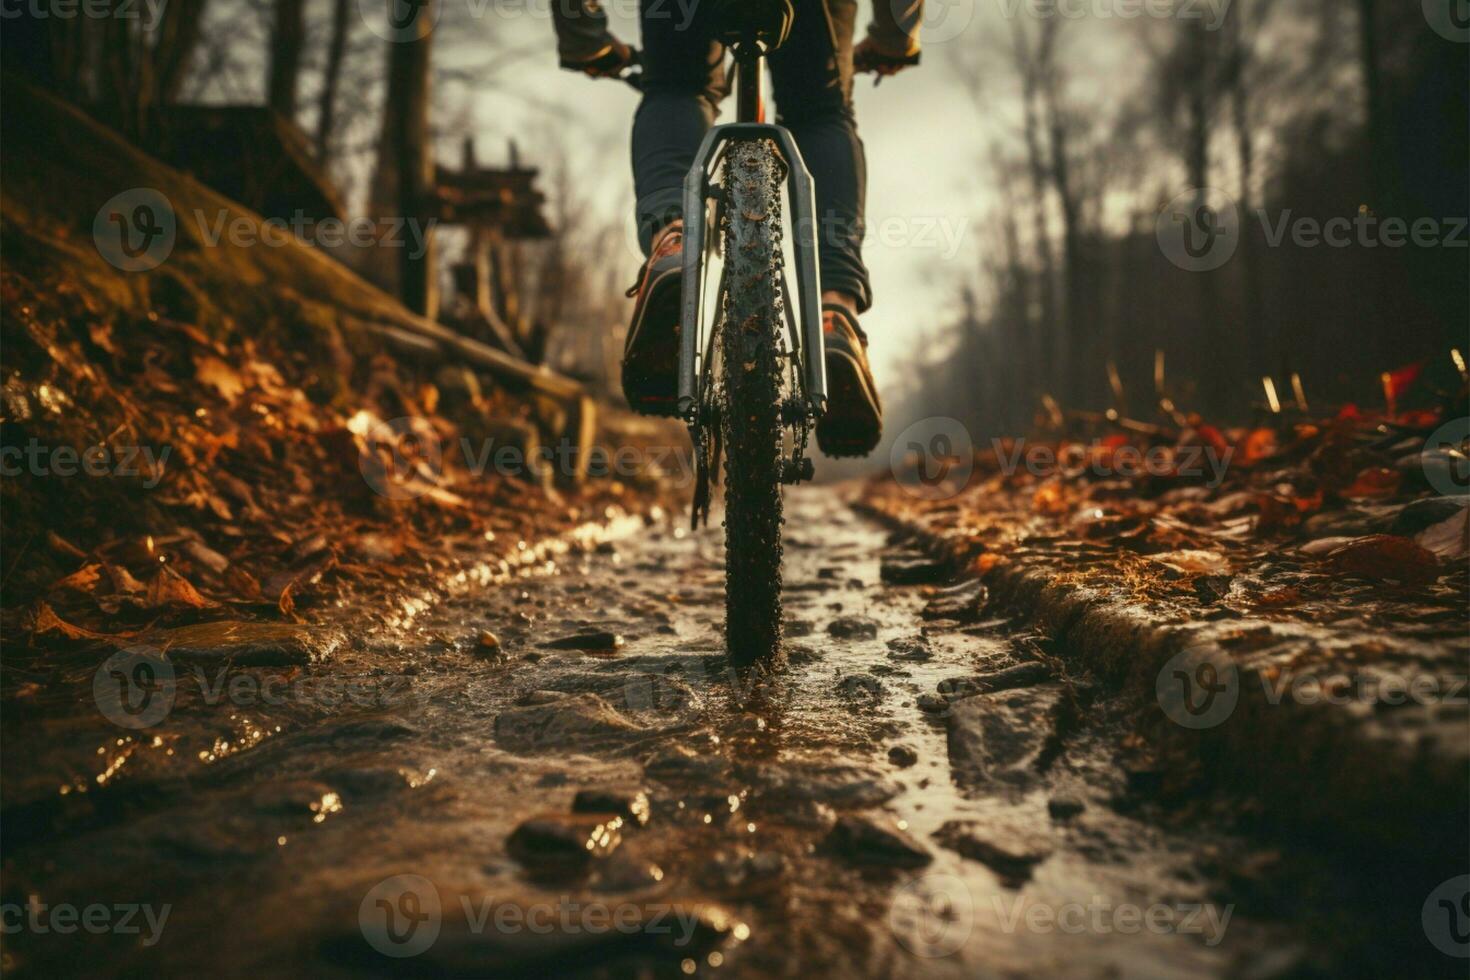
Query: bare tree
<point x="331" y="77"/>
<point x="288" y="38"/>
<point x="406" y="158"/>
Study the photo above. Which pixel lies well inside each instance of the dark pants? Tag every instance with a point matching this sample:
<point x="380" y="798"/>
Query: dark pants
<point x="683" y="84"/>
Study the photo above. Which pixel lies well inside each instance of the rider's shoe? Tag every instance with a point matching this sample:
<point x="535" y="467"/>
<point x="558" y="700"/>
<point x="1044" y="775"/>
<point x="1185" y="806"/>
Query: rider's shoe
<point x="651" y="354"/>
<point x="853" y="423"/>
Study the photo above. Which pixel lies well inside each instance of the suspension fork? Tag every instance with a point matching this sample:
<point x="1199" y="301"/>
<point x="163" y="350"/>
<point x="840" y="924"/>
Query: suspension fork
<point x="749" y="86"/>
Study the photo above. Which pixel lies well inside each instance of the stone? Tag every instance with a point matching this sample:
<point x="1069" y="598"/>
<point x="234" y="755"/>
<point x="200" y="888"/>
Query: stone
<point x="864" y="839"/>
<point x="1002" y="735"/>
<point x="560" y="840"/>
<point x="860" y="687"/>
<point x="965" y="601"/>
<point x="679" y="764"/>
<point x="586" y="640"/>
<point x="631" y="805"/>
<point x="1012" y="853"/>
<point x="914" y="569"/>
<point x="913" y="649"/>
<point x="246" y="644"/>
<point x="1064" y="807"/>
<point x="903" y="756"/>
<point x="853" y="628"/>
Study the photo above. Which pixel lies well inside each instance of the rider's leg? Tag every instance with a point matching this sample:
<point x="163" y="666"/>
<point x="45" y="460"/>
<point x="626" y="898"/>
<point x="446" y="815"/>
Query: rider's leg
<point x="683" y="83"/>
<point x="682" y="87"/>
<point x="812" y="77"/>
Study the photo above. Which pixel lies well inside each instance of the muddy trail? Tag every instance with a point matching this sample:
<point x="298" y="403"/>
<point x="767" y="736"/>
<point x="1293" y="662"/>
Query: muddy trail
<point x="560" y="776"/>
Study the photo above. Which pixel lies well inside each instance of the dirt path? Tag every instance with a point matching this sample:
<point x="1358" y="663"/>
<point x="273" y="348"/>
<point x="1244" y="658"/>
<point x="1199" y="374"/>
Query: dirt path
<point x="414" y="794"/>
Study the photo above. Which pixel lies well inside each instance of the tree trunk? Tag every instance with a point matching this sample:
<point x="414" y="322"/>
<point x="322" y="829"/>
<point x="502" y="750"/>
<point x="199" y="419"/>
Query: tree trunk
<point x="178" y="36"/>
<point x="1373" y="97"/>
<point x="331" y="76"/>
<point x="288" y="37"/>
<point x="408" y="151"/>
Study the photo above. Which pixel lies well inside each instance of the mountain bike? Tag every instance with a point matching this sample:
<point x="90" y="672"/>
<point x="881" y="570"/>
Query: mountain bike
<point x="753" y="383"/>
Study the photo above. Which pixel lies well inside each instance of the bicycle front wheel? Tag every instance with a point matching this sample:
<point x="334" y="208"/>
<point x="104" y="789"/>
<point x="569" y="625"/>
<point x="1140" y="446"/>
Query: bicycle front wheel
<point x="750" y="395"/>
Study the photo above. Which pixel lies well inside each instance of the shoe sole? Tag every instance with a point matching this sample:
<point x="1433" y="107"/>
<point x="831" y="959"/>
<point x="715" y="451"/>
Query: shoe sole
<point x="652" y="389"/>
<point x="851" y="407"/>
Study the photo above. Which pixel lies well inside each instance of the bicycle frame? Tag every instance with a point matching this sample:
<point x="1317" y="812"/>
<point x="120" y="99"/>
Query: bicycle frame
<point x="751" y="125"/>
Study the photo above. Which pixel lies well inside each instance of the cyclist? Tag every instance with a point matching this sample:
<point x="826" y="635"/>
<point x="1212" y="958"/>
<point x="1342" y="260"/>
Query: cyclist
<point x="683" y="82"/>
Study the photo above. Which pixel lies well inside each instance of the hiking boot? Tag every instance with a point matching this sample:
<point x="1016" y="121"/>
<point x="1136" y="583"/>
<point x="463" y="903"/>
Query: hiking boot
<point x="651" y="354"/>
<point x="853" y="423"/>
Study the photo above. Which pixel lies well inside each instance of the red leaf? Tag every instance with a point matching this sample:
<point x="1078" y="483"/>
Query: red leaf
<point x="1385" y="556"/>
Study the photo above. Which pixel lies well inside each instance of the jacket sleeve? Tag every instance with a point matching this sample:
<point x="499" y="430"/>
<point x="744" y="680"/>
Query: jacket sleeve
<point x="895" y="26"/>
<point x="581" y="29"/>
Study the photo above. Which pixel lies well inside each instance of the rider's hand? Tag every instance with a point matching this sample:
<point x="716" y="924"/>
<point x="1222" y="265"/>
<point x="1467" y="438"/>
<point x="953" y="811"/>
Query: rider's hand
<point x="610" y="62"/>
<point x="869" y="57"/>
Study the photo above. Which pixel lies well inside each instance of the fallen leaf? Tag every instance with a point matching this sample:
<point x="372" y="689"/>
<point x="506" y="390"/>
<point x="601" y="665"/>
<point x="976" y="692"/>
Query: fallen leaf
<point x="1374" y="483"/>
<point x="212" y="371"/>
<point x="81" y="580"/>
<point x="1385" y="556"/>
<point x="168" y="588"/>
<point x="1194" y="561"/>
